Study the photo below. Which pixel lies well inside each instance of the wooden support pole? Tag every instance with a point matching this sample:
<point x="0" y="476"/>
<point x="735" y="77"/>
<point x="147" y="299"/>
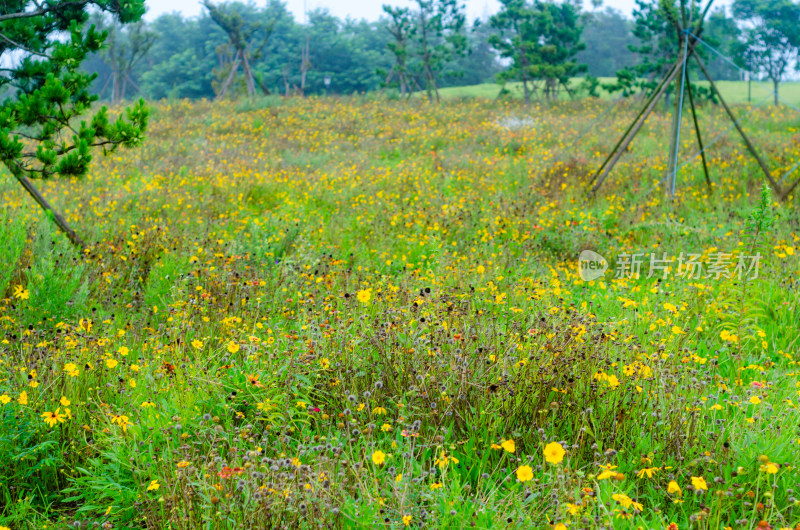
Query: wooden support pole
<point x="60" y="221"/>
<point x="789" y="190"/>
<point x="747" y="142"/>
<point x="697" y="133"/>
<point x="653" y="96"/>
<point x="634" y="129"/>
<point x="229" y="79"/>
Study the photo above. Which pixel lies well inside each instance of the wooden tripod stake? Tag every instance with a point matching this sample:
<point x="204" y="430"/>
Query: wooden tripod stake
<point x="687" y="52"/>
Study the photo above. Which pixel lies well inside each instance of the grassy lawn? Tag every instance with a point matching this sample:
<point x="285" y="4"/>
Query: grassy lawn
<point x="734" y="92"/>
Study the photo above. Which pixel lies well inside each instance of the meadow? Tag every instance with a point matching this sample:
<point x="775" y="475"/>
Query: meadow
<point x="757" y="94"/>
<point x="364" y="313"/>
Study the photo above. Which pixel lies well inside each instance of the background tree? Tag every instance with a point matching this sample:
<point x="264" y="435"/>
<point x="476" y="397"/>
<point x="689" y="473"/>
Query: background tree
<point x="722" y="32"/>
<point x="514" y="39"/>
<point x="241" y="37"/>
<point x="439" y="33"/>
<point x="770" y="37"/>
<point x="42" y="45"/>
<point x="559" y="29"/>
<point x="608" y="37"/>
<point x="124" y="49"/>
<point x="540" y="41"/>
<point x="479" y="64"/>
<point x="400" y="26"/>
<point x="181" y="62"/>
<point x="350" y="52"/>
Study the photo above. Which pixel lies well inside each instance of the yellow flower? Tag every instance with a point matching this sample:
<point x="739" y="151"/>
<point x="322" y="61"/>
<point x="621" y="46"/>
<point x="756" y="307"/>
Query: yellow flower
<point x="699" y="483"/>
<point x="364" y="295"/>
<point x="123" y="351"/>
<point x="406" y="520"/>
<point x="509" y="446"/>
<point x="64" y="401"/>
<point x="524" y="473"/>
<point x="378" y="458"/>
<point x="670" y="307"/>
<point x="770" y="468"/>
<point x="648" y="471"/>
<point x="623" y="499"/>
<point x="673" y="488"/>
<point x="5" y="399"/>
<point x="677" y="330"/>
<point x="182" y="463"/>
<point x="560" y="526"/>
<point x="121" y="420"/>
<point x="51" y="418"/>
<point x="755" y="400"/>
<point x="21" y="293"/>
<point x="554" y="453"/>
<point x="111" y="363"/>
<point x="233" y="347"/>
<point x="197" y="344"/>
<point x="23" y="398"/>
<point x="607" y="472"/>
<point x="71" y="369"/>
<point x="153" y="486"/>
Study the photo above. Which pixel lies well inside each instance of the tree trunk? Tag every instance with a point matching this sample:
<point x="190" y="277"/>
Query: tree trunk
<point x="229" y="79"/>
<point x="60" y="221"/>
<point x="248" y="74"/>
<point x="775" y="83"/>
<point x="304" y="68"/>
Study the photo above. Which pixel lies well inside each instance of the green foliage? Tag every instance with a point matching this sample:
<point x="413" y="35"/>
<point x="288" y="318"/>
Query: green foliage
<point x="12" y="241"/>
<point x="608" y="35"/>
<point x="770" y="42"/>
<point x="38" y="133"/>
<point x="55" y="279"/>
<point x="438" y="35"/>
<point x="541" y="40"/>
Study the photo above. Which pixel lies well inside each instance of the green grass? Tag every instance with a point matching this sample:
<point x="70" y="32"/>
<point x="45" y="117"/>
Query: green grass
<point x="734" y="92"/>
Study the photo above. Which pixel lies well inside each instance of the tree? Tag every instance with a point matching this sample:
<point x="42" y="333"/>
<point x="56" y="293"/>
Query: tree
<point x="439" y="33"/>
<point x="480" y="62"/>
<point x="124" y="48"/>
<point x="540" y="40"/>
<point x="400" y="26"/>
<point x="608" y="36"/>
<point x="241" y="36"/>
<point x="514" y="41"/>
<point x="559" y="29"/>
<point x="182" y="60"/>
<point x="42" y="45"/>
<point x="770" y="37"/>
<point x="722" y="32"/>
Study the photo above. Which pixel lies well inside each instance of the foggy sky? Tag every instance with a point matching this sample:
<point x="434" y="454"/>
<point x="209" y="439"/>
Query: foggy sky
<point x="369" y="9"/>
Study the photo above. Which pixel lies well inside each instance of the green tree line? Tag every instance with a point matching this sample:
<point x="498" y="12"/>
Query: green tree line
<point x="235" y="48"/>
